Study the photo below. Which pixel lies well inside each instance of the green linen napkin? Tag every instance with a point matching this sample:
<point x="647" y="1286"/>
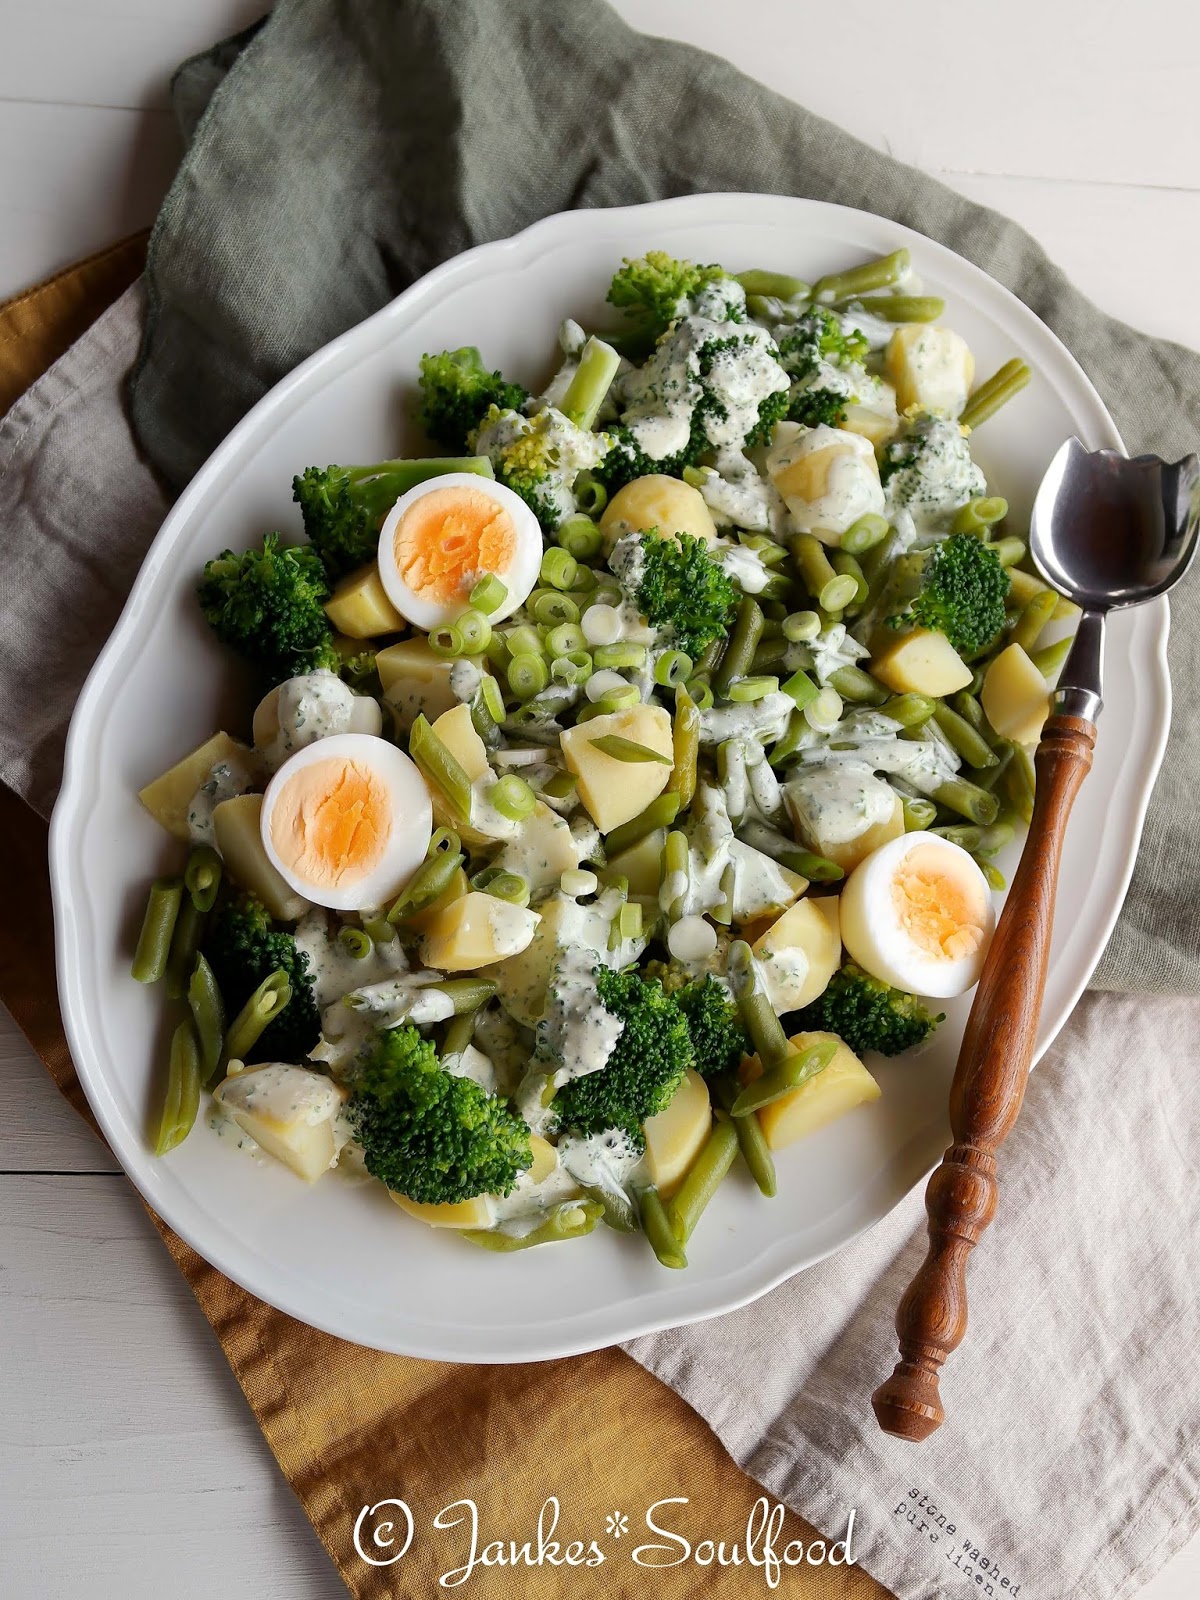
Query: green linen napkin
<point x="349" y="147"/>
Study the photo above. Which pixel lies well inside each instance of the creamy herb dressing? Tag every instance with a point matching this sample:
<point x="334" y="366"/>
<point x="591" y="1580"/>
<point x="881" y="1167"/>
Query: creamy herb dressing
<point x="838" y="803"/>
<point x="314" y="706"/>
<point x="472" y="1063"/>
<point x="939" y="479"/>
<point x="277" y="1091"/>
<point x="225" y="780"/>
<point x="739" y="496"/>
<point x="745" y="568"/>
<point x="608" y="1161"/>
<point x="764" y="720"/>
<point x="334" y="971"/>
<point x="466" y="675"/>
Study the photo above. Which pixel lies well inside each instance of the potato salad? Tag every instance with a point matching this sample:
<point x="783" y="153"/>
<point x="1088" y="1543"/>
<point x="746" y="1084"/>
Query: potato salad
<point x="626" y="772"/>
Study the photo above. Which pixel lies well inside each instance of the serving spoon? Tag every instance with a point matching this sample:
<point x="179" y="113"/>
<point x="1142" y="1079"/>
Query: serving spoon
<point x="1107" y="532"/>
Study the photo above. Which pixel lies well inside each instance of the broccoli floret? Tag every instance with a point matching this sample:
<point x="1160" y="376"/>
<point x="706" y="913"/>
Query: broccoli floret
<point x="626" y="460"/>
<point x="867" y="1014"/>
<point x="814" y="406"/>
<point x="655" y="289"/>
<point x="342" y="508"/>
<point x="962" y="594"/>
<point x="243" y="946"/>
<point x="428" y="1134"/>
<point x="716" y="1030"/>
<point x="683" y="589"/>
<point x="268" y="605"/>
<point x="357" y="667"/>
<point x="818" y="340"/>
<point x="540" y="457"/>
<point x="646" y="1067"/>
<point x="456" y="393"/>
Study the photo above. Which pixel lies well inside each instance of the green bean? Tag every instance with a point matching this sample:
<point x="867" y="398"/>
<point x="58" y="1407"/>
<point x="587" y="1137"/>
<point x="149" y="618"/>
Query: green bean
<point x="909" y="710"/>
<point x="968" y="741"/>
<point x="489" y="594"/>
<point x="743" y="642"/>
<point x="561" y="786"/>
<point x="502" y="885"/>
<point x="202" y="877"/>
<point x="994" y="877"/>
<point x="551" y="609"/>
<point x="498" y="654"/>
<point x="571" y="1219"/>
<point x="703" y="1179"/>
<point x="865" y="534"/>
<point x="182" y="1099"/>
<point x="853" y="684"/>
<point x="979" y="514"/>
<point x="967" y="835"/>
<point x="1009" y="551"/>
<point x="442" y="842"/>
<point x="598" y="363"/>
<point x="1050" y="658"/>
<point x="759" y="836"/>
<point x="558" y="568"/>
<point x="756" y="1152"/>
<point x="685" y="746"/>
<point x="792" y="741"/>
<point x="969" y="709"/>
<point x="813" y="563"/>
<point x="621" y="749"/>
<point x="379" y="930"/>
<point x="263" y="1006"/>
<point x="158" y="925"/>
<point x="722" y="912"/>
<point x="902" y="307"/>
<point x="676" y="865"/>
<point x="968" y="800"/>
<point x="996" y="838"/>
<point x="185" y="941"/>
<point x="745" y="691"/>
<point x="758" y="1015"/>
<point x="612" y="657"/>
<point x="660" y="813"/>
<point x="1020" y="782"/>
<point x="878" y="274"/>
<point x="710" y="656"/>
<point x="777" y="285"/>
<point x="460" y="1031"/>
<point x="208" y="1013"/>
<point x="657" y="1228"/>
<point x="447" y="640"/>
<point x="466" y="994"/>
<point x="617" y="1209"/>
<point x="427" y="885"/>
<point x="785" y="1077"/>
<point x="440" y="768"/>
<point x="356" y="942"/>
<point x="1033" y="619"/>
<point x="845" y="565"/>
<point x="992" y="394"/>
<point x="918" y="814"/>
<point x="800" y="689"/>
<point x="769" y="551"/>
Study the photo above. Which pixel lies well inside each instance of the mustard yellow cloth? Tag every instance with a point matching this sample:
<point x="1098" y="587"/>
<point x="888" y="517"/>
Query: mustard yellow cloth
<point x="350" y="1426"/>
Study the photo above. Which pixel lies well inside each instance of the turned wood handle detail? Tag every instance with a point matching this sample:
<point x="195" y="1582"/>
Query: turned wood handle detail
<point x="989" y="1085"/>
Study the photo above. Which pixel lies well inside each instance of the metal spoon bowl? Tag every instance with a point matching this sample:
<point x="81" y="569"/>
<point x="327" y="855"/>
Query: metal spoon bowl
<point x="1107" y="532"/>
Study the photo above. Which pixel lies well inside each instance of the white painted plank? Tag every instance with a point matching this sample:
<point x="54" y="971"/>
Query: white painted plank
<point x="129" y="1461"/>
<point x="38" y="1130"/>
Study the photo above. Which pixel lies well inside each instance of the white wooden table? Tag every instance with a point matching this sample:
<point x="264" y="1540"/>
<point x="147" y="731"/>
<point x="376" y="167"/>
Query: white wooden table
<point x="128" y="1460"/>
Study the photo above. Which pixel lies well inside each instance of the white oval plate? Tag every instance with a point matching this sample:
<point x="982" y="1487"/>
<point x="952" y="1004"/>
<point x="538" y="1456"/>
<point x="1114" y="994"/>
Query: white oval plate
<point x="338" y="1255"/>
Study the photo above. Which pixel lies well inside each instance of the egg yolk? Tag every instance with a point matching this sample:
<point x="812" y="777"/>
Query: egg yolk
<point x="449" y="538"/>
<point x="331" y="822"/>
<point x="939" y="912"/>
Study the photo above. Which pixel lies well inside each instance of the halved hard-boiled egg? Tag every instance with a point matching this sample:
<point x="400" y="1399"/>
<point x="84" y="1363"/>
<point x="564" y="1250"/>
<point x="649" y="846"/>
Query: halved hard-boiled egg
<point x="346" y="821"/>
<point x="441" y="537"/>
<point x="918" y="914"/>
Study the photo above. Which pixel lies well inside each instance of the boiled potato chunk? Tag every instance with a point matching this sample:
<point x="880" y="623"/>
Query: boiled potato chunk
<point x="616" y="791"/>
<point x="842" y="1085"/>
<point x="799" y="953"/>
<point x="921" y="662"/>
<point x="676" y="1135"/>
<point x="545" y="1158"/>
<point x="657" y="504"/>
<point x="876" y="421"/>
<point x="642" y="865"/>
<point x="169" y="798"/>
<point x="359" y="607"/>
<point x="521" y="980"/>
<point x="289" y="1111"/>
<point x="828" y="477"/>
<point x="457" y="732"/>
<point x="475" y="930"/>
<point x="478" y="1212"/>
<point x="932" y="368"/>
<point x="762" y="886"/>
<point x="542" y="851"/>
<point x="1022" y="586"/>
<point x="237" y="824"/>
<point x="848" y="853"/>
<point x="1015" y="696"/>
<point x="415" y="680"/>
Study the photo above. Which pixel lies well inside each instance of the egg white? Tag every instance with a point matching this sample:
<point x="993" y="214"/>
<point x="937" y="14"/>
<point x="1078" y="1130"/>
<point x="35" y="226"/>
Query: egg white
<point x="411" y="818"/>
<point x="520" y="578"/>
<point x="873" y="934"/>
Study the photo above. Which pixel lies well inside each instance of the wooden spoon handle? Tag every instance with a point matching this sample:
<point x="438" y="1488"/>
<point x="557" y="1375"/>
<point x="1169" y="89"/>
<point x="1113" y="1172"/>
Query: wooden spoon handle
<point x="989" y="1085"/>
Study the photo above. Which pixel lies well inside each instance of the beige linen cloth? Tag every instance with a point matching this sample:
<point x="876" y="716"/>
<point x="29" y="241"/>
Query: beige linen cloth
<point x="1069" y="1466"/>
